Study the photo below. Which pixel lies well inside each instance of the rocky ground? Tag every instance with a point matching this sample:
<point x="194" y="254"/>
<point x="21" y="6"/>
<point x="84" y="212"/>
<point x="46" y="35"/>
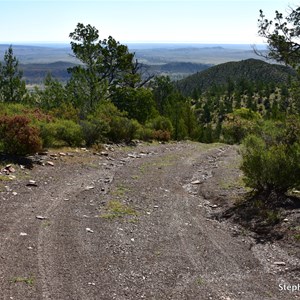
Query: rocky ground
<point x="141" y="222"/>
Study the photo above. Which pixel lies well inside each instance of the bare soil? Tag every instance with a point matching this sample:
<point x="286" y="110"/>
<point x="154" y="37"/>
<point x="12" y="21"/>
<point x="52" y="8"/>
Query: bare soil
<point x="139" y="223"/>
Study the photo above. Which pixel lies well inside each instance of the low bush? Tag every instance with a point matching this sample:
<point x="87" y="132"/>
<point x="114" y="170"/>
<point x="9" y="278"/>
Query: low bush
<point x="160" y="123"/>
<point x="239" y="124"/>
<point x="122" y="129"/>
<point x="271" y="160"/>
<point x="162" y="135"/>
<point x="61" y="132"/>
<point x="18" y="136"/>
<point x="94" y="131"/>
<point x="144" y="134"/>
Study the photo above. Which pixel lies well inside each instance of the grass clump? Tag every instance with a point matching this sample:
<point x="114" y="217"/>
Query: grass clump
<point x="117" y="209"/>
<point x="27" y="280"/>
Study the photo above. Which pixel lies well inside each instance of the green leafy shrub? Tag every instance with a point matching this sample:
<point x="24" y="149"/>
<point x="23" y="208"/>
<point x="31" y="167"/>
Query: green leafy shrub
<point x="239" y="124"/>
<point x="160" y="123"/>
<point x="94" y="131"/>
<point x="144" y="133"/>
<point x="47" y="134"/>
<point x="122" y="129"/>
<point x="271" y="161"/>
<point x="18" y="136"/>
<point x="69" y="131"/>
<point x="61" y="132"/>
<point x="11" y="109"/>
<point x="161" y="128"/>
<point x="65" y="111"/>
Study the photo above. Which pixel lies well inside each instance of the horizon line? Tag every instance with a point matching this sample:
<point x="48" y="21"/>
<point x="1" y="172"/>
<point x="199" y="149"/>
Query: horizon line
<point x="133" y="42"/>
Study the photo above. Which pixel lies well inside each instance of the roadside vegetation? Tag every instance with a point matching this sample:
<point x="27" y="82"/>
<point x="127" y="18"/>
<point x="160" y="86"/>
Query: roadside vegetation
<point x="111" y="97"/>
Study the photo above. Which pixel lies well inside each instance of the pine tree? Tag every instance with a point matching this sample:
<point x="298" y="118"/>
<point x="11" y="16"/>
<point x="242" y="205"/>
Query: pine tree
<point x="12" y="87"/>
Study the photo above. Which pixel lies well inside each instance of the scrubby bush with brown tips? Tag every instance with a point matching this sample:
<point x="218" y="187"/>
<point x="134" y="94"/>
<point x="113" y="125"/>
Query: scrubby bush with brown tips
<point x="162" y="135"/>
<point x="18" y="136"/>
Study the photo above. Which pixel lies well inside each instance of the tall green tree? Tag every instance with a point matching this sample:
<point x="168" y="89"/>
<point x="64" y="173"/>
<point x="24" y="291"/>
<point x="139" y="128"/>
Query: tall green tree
<point x="106" y="65"/>
<point x="163" y="91"/>
<point x="282" y="35"/>
<point x="12" y="87"/>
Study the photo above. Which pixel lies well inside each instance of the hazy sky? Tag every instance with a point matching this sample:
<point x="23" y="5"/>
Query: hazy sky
<point x="203" y="21"/>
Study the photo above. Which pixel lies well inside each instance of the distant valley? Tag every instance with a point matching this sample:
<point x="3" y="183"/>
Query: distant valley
<point x="175" y="60"/>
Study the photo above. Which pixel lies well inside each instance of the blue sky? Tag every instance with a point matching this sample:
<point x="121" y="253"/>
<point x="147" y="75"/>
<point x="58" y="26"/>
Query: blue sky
<point x="196" y="21"/>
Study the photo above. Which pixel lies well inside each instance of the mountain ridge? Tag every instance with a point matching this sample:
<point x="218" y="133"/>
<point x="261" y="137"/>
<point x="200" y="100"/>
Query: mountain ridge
<point x="253" y="70"/>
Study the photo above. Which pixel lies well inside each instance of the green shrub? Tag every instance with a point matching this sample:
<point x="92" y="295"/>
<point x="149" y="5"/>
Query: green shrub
<point x="61" y="132"/>
<point x="11" y="109"/>
<point x="122" y="129"/>
<point x="65" y="111"/>
<point x="239" y="124"/>
<point x="269" y="166"/>
<point x="160" y="123"/>
<point x="47" y="134"/>
<point x="18" y="136"/>
<point x="144" y="133"/>
<point x="94" y="131"/>
<point x="70" y="132"/>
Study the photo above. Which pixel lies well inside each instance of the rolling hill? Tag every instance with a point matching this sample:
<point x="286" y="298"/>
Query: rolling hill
<point x="253" y="70"/>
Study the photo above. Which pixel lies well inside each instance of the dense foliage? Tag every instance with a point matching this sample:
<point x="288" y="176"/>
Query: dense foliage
<point x="271" y="158"/>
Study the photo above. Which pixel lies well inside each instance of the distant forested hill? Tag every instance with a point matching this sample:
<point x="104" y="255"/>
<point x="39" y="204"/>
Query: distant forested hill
<point x="181" y="67"/>
<point x="178" y="70"/>
<point x="36" y="73"/>
<point x="252" y="70"/>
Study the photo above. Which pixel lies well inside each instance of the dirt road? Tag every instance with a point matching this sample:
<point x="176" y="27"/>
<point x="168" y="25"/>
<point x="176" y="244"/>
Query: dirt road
<point x="134" y="223"/>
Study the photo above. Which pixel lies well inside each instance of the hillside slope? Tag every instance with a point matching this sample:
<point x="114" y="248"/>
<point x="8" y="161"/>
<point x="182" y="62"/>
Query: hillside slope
<point x="251" y="69"/>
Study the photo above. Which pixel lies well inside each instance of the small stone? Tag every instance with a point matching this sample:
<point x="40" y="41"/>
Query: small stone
<point x="10" y="169"/>
<point x="285" y="220"/>
<point x="14" y="193"/>
<point x="43" y="153"/>
<point x="279" y="263"/>
<point x="104" y="153"/>
<point x="132" y="239"/>
<point x="23" y="234"/>
<point x="50" y="163"/>
<point x="40" y="218"/>
<point x="196" y="182"/>
<point x="155" y="206"/>
<point x="89" y="187"/>
<point x="31" y="183"/>
<point x="89" y="230"/>
<point x="62" y="154"/>
<point x="7" y="188"/>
